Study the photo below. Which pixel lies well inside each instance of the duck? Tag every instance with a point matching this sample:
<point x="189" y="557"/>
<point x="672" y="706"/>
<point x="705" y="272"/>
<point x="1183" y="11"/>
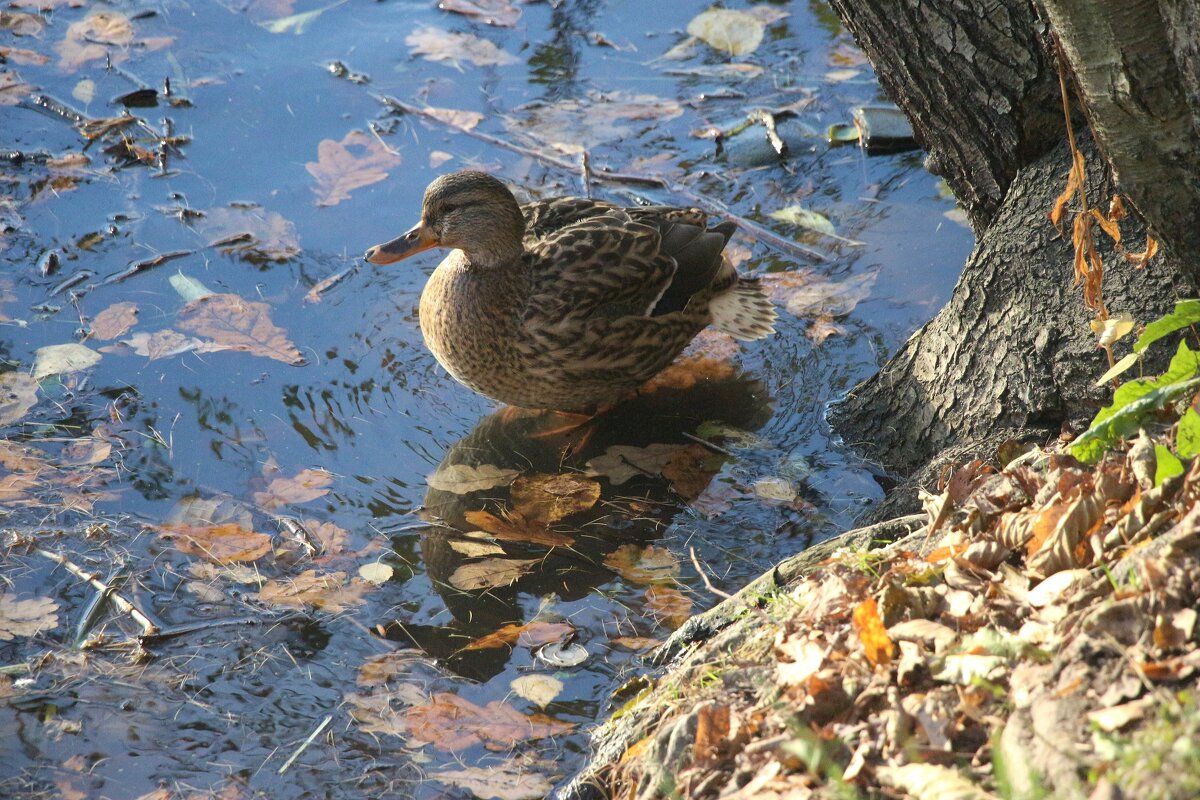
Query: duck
<point x="569" y="304"/>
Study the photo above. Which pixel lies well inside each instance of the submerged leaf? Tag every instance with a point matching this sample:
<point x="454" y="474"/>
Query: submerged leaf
<point x="734" y="32"/>
<point x="503" y="782"/>
<point x="115" y="320"/>
<point x="491" y="573"/>
<point x="26" y="617"/>
<point x="501" y="13"/>
<point x="18" y="394"/>
<point x="452" y="723"/>
<point x="241" y="325"/>
<point x="436" y="44"/>
<point x="222" y="544"/>
<point x="341" y="167"/>
<point x="544" y="499"/>
<point x="308" y="484"/>
<point x="59" y="359"/>
<point x="467" y="478"/>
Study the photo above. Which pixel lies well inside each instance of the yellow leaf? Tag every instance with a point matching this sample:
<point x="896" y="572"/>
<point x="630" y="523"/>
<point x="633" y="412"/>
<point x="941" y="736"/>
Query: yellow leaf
<point x="872" y="634"/>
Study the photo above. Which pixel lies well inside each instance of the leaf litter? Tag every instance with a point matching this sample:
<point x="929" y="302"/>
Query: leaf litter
<point x="1046" y="590"/>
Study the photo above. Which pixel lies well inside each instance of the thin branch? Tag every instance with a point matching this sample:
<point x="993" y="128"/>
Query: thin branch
<point x="148" y="627"/>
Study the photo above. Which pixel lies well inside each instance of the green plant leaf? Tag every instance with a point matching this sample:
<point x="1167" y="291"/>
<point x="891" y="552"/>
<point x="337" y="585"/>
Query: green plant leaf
<point x="1123" y="417"/>
<point x="1187" y="436"/>
<point x="1187" y="312"/>
<point x="1166" y="465"/>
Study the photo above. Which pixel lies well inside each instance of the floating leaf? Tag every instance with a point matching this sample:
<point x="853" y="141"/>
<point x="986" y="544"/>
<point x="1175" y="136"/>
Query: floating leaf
<point x="517" y="529"/>
<point x="504" y="782"/>
<point x="329" y="591"/>
<point x="644" y="565"/>
<point x="251" y="233"/>
<point x="223" y="544"/>
<point x="308" y="484"/>
<point x="542" y="499"/>
<point x="436" y="44"/>
<point x="12" y="90"/>
<point x="872" y="634"/>
<point x="734" y="32"/>
<point x="341" y="167"/>
<point x="376" y="572"/>
<point x="491" y="573"/>
<point x="501" y="13"/>
<point x="162" y="344"/>
<point x="453" y="723"/>
<point x="115" y="320"/>
<point x="531" y="634"/>
<point x="779" y="489"/>
<point x="804" y="218"/>
<point x="26" y="617"/>
<point x="241" y="325"/>
<point x="102" y="35"/>
<point x="538" y="688"/>
<point x="18" y="394"/>
<point x="463" y="120"/>
<point x="297" y="23"/>
<point x="188" y="288"/>
<point x="806" y="294"/>
<point x="59" y="359"/>
<point x="467" y="478"/>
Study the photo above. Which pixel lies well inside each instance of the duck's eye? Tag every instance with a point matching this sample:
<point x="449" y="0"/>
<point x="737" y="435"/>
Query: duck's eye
<point x="450" y="208"/>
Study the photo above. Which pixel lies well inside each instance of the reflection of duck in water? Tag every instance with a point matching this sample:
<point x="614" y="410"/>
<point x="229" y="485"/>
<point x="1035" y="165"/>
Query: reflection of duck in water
<point x="511" y="518"/>
<point x="570" y="303"/>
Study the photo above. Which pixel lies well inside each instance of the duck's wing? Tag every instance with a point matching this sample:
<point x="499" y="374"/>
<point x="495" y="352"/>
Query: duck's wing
<point x="621" y="263"/>
<point x="545" y="217"/>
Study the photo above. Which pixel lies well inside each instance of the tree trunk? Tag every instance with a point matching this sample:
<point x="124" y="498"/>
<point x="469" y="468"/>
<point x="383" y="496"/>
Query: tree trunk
<point x="1137" y="66"/>
<point x="1012" y="352"/>
<point x="975" y="81"/>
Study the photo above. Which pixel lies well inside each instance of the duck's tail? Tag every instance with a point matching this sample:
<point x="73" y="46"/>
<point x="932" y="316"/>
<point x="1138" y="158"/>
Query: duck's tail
<point x="744" y="311"/>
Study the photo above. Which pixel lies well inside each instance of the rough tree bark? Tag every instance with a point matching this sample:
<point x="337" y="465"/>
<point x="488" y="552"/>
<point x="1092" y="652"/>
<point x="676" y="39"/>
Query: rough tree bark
<point x="1012" y="353"/>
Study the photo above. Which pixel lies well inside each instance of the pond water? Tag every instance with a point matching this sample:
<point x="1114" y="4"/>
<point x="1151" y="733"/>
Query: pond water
<point x="243" y="439"/>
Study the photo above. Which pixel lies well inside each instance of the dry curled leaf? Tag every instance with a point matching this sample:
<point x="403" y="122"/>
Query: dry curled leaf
<point x="26" y="617"/>
<point x="241" y="325"/>
<point x="308" y="484"/>
<point x="452" y="723"/>
<point x="341" y="167"/>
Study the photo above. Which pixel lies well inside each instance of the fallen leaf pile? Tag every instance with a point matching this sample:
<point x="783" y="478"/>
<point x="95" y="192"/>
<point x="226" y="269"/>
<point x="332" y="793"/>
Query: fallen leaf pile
<point x="1021" y="639"/>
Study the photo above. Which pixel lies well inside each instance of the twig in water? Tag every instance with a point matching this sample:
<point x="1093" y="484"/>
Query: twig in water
<point x="311" y="737"/>
<point x="705" y="442"/>
<point x="93" y="578"/>
<point x="585" y="166"/>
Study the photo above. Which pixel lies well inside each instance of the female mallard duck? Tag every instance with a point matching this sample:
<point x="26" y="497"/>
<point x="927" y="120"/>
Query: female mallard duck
<point x="569" y="303"/>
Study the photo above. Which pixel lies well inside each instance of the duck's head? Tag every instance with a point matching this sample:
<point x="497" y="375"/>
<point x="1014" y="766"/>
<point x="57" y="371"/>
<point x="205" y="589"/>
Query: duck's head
<point x="468" y="210"/>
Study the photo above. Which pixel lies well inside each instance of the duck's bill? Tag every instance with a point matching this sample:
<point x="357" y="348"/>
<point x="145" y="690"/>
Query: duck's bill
<point x="417" y="239"/>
